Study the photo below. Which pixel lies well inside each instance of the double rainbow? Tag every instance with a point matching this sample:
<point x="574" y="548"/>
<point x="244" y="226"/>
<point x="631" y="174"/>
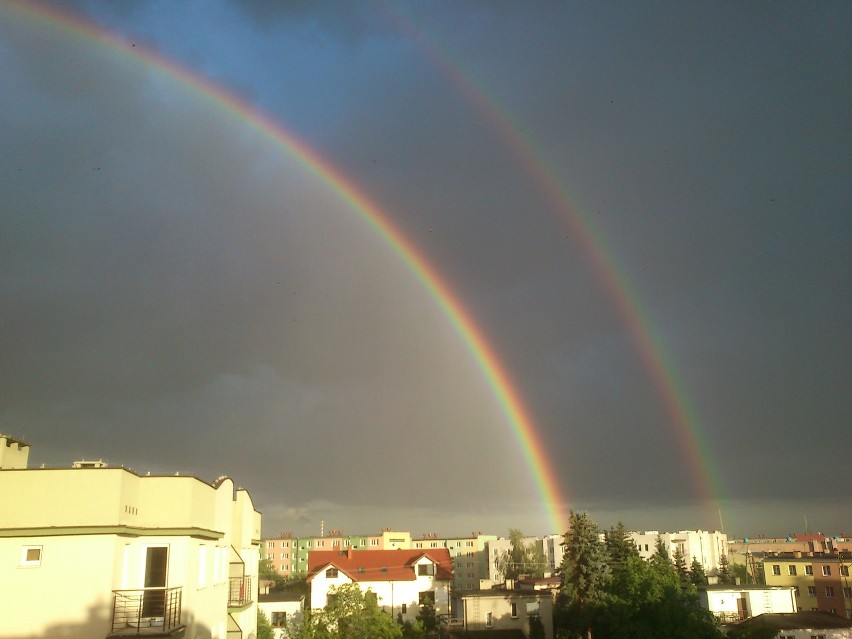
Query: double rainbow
<point x="502" y="387"/>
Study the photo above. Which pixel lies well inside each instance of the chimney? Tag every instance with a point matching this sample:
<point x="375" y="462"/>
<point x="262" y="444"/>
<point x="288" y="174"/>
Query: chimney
<point x="349" y="552"/>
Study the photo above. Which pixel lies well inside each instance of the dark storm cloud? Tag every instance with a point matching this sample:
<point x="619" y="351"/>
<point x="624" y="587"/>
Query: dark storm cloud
<point x="168" y="276"/>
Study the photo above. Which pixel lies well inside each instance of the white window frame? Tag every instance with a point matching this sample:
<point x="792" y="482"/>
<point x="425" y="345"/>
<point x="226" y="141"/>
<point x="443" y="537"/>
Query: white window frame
<point x="31" y="563"/>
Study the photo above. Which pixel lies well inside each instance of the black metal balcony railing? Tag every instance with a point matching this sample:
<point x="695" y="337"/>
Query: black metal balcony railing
<point x="240" y="591"/>
<point x="145" y="610"/>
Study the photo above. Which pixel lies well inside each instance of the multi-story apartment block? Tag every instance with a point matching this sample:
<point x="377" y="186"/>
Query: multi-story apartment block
<point x="820" y="580"/>
<point x="93" y="551"/>
<point x="551" y="546"/>
<point x="288" y="555"/>
<point x="706" y="547"/>
<point x="469" y="556"/>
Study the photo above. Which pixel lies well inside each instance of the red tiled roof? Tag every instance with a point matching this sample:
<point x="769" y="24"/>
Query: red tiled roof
<point x="380" y="565"/>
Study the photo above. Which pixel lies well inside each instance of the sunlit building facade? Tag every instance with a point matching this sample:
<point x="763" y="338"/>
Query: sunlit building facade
<point x="96" y="551"/>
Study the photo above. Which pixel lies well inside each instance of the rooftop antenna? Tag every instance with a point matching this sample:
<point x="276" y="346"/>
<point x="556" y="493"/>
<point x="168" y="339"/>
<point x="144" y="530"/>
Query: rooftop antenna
<point x="322" y="527"/>
<point x="721" y="524"/>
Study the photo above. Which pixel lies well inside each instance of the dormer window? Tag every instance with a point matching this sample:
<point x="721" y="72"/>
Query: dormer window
<point x="426" y="570"/>
<point x="331" y="573"/>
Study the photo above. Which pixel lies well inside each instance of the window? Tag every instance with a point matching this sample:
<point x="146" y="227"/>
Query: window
<point x="404" y="608"/>
<point x="809" y="570"/>
<point x="847" y="592"/>
<point x="826" y="571"/>
<point x="320" y="543"/>
<point x="844" y="571"/>
<point x="31" y="556"/>
<point x="278" y="619"/>
<point x="514" y="610"/>
<point x="374" y="542"/>
<point x="776" y="569"/>
<point x="426" y="569"/>
<point x="331" y="573"/>
<point x="270" y="544"/>
<point x="468" y="544"/>
<point x="489" y="619"/>
<point x="427" y="597"/>
<point x="829" y="591"/>
<point x="796" y="590"/>
<point x="811" y="591"/>
<point x="791" y="570"/>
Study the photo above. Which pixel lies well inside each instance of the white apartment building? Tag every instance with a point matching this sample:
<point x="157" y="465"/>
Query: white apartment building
<point x="96" y="551"/>
<point x="707" y="547"/>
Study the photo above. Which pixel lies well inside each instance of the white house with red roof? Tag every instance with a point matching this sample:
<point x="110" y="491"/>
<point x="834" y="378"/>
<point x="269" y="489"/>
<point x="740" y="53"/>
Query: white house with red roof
<point x="402" y="580"/>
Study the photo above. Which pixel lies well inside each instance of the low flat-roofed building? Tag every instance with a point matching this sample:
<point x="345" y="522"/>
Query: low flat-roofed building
<point x="500" y="609"/>
<point x="731" y="603"/>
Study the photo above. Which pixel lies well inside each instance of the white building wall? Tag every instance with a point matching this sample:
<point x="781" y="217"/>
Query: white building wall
<point x="391" y="595"/>
<point x="706" y="547"/>
<point x="94" y="528"/>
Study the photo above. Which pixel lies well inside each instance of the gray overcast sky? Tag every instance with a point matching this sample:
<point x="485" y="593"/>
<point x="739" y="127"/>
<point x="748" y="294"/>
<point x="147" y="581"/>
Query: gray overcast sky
<point x="179" y="294"/>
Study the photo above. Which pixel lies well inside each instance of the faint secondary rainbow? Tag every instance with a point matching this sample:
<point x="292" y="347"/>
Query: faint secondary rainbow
<point x="613" y="275"/>
<point x="503" y="388"/>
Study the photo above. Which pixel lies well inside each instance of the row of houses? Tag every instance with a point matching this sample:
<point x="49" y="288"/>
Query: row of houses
<point x="476" y="558"/>
<point x="402" y="581"/>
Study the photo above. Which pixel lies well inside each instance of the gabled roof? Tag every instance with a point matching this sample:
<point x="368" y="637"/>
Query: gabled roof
<point x="380" y="565"/>
<point x="811" y="619"/>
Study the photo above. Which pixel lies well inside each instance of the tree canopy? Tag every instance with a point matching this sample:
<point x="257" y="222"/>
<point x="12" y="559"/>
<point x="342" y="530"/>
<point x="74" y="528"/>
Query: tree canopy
<point x="350" y="614"/>
<point x="609" y="592"/>
<point x="522" y="558"/>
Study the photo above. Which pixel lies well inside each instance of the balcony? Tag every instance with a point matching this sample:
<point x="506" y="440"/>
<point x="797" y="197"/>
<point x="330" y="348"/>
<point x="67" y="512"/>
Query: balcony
<point x="240" y="591"/>
<point x="152" y="612"/>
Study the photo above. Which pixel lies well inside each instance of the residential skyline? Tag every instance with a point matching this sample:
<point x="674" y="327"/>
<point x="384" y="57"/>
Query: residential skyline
<point x="452" y="266"/>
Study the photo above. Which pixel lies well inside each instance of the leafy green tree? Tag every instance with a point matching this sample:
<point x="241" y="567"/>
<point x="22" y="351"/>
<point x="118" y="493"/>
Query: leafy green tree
<point x="681" y="569"/>
<point x="350" y="614"/>
<point x="697" y="574"/>
<point x="725" y="571"/>
<point x="739" y="574"/>
<point x="585" y="573"/>
<point x="264" y="628"/>
<point x="522" y="558"/>
<point x="428" y="619"/>
<point x="637" y="598"/>
<point x="536" y="628"/>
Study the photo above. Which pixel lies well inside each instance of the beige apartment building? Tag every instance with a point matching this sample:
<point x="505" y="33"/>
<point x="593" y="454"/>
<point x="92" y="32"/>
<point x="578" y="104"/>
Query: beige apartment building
<point x="93" y="551"/>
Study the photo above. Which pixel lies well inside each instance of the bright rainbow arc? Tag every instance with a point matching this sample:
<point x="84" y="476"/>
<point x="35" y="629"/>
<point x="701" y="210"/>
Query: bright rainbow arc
<point x="614" y="277"/>
<point x="498" y="379"/>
